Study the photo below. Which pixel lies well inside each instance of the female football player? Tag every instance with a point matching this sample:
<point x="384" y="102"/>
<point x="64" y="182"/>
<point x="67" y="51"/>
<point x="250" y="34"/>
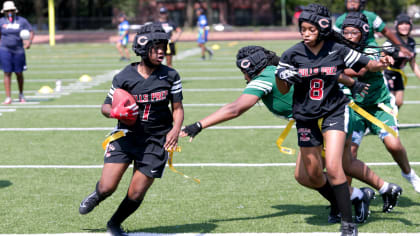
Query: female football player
<point x="395" y="74"/>
<point x="156" y="130"/>
<point x="313" y="66"/>
<point x="374" y="103"/>
<point x="258" y="66"/>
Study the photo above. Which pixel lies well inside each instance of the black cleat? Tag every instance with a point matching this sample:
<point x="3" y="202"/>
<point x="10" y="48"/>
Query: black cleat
<point x="89" y="203"/>
<point x="369" y="192"/>
<point x="334" y="216"/>
<point x="115" y="230"/>
<point x="348" y="229"/>
<point x="390" y="197"/>
<point x="361" y="206"/>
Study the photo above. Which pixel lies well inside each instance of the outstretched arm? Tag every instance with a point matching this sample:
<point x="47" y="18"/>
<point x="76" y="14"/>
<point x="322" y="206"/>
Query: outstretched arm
<point x="225" y="113"/>
<point x="391" y="36"/>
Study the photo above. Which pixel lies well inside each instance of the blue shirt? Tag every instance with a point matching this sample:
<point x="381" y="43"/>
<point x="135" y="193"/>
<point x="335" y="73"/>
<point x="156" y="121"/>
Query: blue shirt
<point x="202" y="21"/>
<point x="10" y="33"/>
<point x="123" y="28"/>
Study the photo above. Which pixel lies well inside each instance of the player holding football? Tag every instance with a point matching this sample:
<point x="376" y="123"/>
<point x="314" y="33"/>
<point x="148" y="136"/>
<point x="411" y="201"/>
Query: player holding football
<point x="353" y="26"/>
<point x="395" y="74"/>
<point x="313" y="67"/>
<point x="153" y="86"/>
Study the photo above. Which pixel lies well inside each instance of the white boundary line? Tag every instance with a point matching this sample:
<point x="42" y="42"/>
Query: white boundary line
<point x="186" y="165"/>
<point x="214" y="127"/>
<point x="35" y="106"/>
<point x="220" y="234"/>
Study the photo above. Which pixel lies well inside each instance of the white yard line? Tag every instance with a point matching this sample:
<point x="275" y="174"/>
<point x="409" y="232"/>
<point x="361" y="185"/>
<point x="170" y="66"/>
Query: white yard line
<point x="292" y="164"/>
<point x="214" y="127"/>
<point x="221" y="234"/>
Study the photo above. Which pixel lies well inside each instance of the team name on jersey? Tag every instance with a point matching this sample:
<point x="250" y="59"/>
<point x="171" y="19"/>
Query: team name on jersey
<point x="328" y="70"/>
<point x="11" y="26"/>
<point x="152" y="97"/>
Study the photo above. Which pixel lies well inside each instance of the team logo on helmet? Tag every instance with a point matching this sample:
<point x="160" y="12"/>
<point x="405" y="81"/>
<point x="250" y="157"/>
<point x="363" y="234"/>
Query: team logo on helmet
<point x="324" y="23"/>
<point x="365" y="27"/>
<point x="142" y="40"/>
<point x="245" y="63"/>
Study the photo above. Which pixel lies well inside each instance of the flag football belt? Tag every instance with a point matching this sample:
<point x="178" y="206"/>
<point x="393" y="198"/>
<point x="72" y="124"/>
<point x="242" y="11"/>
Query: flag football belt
<point x="401" y="72"/>
<point x="372" y="119"/>
<point x="388" y="109"/>
<point x="120" y="134"/>
<point x="282" y="137"/>
<point x="168" y="48"/>
<point x="171" y="166"/>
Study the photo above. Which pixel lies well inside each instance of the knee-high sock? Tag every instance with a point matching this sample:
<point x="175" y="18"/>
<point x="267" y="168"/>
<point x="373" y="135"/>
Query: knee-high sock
<point x="342" y="195"/>
<point x="126" y="208"/>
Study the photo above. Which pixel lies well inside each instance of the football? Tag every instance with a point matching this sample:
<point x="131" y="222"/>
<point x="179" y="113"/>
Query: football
<point x="25" y="34"/>
<point x="126" y="99"/>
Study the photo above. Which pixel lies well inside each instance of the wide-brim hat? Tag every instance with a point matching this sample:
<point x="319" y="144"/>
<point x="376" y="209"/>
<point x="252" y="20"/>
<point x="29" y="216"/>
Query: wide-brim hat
<point x="9" y="5"/>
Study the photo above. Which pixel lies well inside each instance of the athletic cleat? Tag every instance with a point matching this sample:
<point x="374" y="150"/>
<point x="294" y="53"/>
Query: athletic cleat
<point x="369" y="192"/>
<point x="390" y="197"/>
<point x="348" y="229"/>
<point x="115" y="230"/>
<point x="210" y="54"/>
<point x="7" y="101"/>
<point x="334" y="216"/>
<point x="22" y="99"/>
<point x="89" y="203"/>
<point x="413" y="179"/>
<point x="361" y="206"/>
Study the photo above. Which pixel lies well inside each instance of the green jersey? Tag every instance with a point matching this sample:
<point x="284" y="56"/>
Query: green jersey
<point x="378" y="91"/>
<point x="264" y="86"/>
<point x="376" y="24"/>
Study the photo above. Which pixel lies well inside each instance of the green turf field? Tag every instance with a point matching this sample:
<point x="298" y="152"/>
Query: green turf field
<point x="230" y="199"/>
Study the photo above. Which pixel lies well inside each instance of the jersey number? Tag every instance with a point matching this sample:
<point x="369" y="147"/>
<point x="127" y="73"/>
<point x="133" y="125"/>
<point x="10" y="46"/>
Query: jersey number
<point x="316" y="92"/>
<point x="146" y="112"/>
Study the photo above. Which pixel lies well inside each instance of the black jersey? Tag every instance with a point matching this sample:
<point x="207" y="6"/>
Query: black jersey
<point x="319" y="94"/>
<point x="389" y="49"/>
<point x="152" y="95"/>
<point x="169" y="26"/>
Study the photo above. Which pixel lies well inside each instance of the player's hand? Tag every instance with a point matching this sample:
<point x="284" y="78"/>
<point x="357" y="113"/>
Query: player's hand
<point x="171" y="139"/>
<point x="191" y="130"/>
<point x="288" y="74"/>
<point x="122" y="112"/>
<point x="386" y="60"/>
<point x="405" y="52"/>
<point x="26" y="44"/>
<point x="359" y="88"/>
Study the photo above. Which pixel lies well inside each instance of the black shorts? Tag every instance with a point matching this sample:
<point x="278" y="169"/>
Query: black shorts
<point x="146" y="151"/>
<point x="309" y="133"/>
<point x="172" y="50"/>
<point x="395" y="80"/>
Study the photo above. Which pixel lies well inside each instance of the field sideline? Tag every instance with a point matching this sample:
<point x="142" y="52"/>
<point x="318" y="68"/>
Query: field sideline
<point x="51" y="157"/>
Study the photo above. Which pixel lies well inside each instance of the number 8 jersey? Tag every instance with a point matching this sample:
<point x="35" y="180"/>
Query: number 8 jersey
<point x="152" y="96"/>
<point x="318" y="93"/>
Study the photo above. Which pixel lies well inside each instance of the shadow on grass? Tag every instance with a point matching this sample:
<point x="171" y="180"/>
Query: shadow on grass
<point x="5" y="183"/>
<point x="319" y="214"/>
<point x="187" y="228"/>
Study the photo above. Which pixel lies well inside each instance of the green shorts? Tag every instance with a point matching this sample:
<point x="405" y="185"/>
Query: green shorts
<point x="360" y="124"/>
